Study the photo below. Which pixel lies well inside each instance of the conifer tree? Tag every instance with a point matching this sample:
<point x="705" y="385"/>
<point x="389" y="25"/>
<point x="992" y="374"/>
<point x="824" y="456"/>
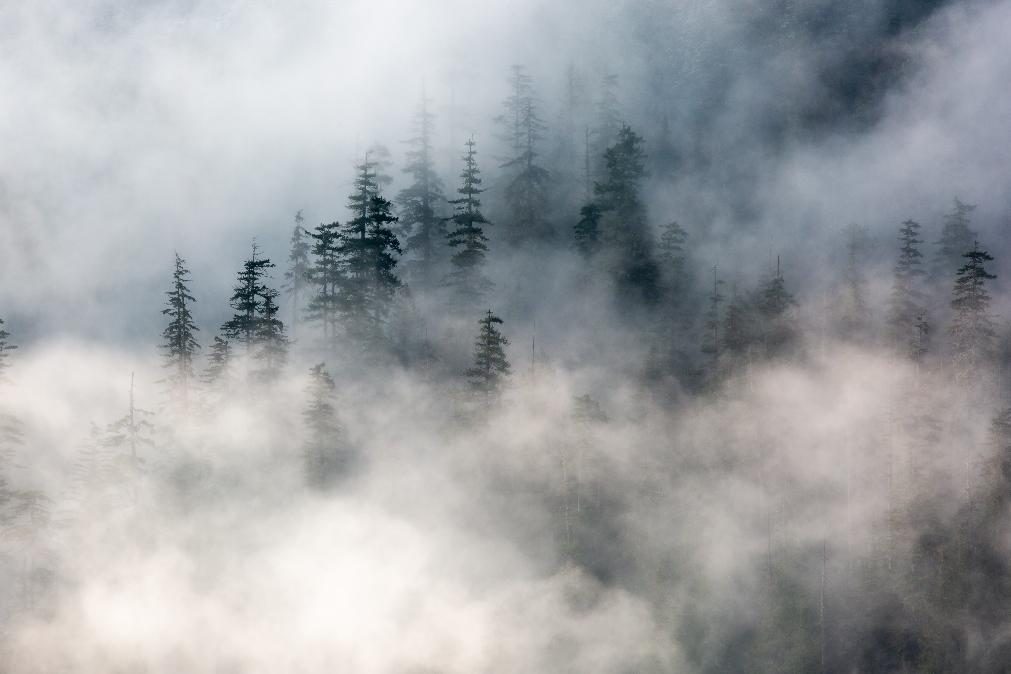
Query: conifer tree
<point x="272" y="344"/>
<point x="247" y="301"/>
<point x="420" y="207"/>
<point x="853" y="313"/>
<point x="671" y="256"/>
<point x="587" y="230"/>
<point x="973" y="336"/>
<point x="608" y="116"/>
<point x="956" y="238"/>
<point x="467" y="238"/>
<point x="776" y="309"/>
<point x="219" y="360"/>
<point x="712" y="343"/>
<point x="490" y="365"/>
<point x="326" y="275"/>
<point x="737" y="328"/>
<point x="323" y="453"/>
<point x="526" y="191"/>
<point x="180" y="343"/>
<point x="5" y="348"/>
<point x="906" y="312"/>
<point x="623" y="229"/>
<point x="297" y="277"/>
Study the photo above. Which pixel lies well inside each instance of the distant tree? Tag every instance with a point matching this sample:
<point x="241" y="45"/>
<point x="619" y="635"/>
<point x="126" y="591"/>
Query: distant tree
<point x="587" y="230"/>
<point x="219" y="362"/>
<point x="381" y="160"/>
<point x="608" y="115"/>
<point x="672" y="258"/>
<point x="712" y="342"/>
<point x="490" y="365"/>
<point x="5" y="348"/>
<point x="326" y="275"/>
<point x="180" y="343"/>
<point x="853" y="312"/>
<point x="272" y="351"/>
<point x="624" y="231"/>
<point x="323" y="453"/>
<point x="956" y="238"/>
<point x="297" y="277"/>
<point x="738" y="330"/>
<point x="467" y="238"/>
<point x="776" y="312"/>
<point x="421" y="205"/>
<point x="973" y="336"/>
<point x="526" y="191"/>
<point x="906" y="312"/>
<point x="247" y="301"/>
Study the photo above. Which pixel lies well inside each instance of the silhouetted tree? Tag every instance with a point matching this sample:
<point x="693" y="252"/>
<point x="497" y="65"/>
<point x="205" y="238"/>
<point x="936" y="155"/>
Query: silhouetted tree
<point x="180" y="343"/>
<point x="324" y="452"/>
<point x="272" y="351"/>
<point x="587" y="230"/>
<point x="671" y="257"/>
<point x="467" y="238"/>
<point x="490" y="364"/>
<point x="712" y="342"/>
<point x="219" y="361"/>
<point x="297" y="277"/>
<point x="420" y="206"/>
<point x="247" y="301"/>
<point x="956" y="238"/>
<point x="906" y="312"/>
<point x="5" y="348"/>
<point x="776" y="311"/>
<point x="973" y="336"/>
<point x="326" y="276"/>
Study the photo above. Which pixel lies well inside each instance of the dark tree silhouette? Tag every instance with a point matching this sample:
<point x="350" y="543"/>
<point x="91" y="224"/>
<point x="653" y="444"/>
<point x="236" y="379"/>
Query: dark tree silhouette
<point x="326" y="276"/>
<point x="324" y="453"/>
<point x="956" y="238"/>
<point x="467" y="238"/>
<point x="906" y="311"/>
<point x="587" y="230"/>
<point x="973" y="336"/>
<point x="297" y="277"/>
<point x="180" y="343"/>
<point x="490" y="364"/>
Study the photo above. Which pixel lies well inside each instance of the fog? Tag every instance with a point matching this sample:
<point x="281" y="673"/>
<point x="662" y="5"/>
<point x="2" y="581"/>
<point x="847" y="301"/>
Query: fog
<point x="801" y="468"/>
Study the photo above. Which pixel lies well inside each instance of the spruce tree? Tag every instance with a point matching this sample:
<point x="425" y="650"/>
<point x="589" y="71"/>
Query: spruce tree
<point x="326" y="275"/>
<point x="623" y="225"/>
<point x="467" y="238"/>
<point x="587" y="230"/>
<point x="906" y="312"/>
<point x="526" y="191"/>
<point x="5" y="348"/>
<point x="272" y="351"/>
<point x="247" y="301"/>
<point x="297" y="277"/>
<point x="420" y="206"/>
<point x="712" y="342"/>
<point x="323" y="452"/>
<point x="973" y="336"/>
<point x="671" y="256"/>
<point x="219" y="361"/>
<point x="776" y="311"/>
<point x="956" y="238"/>
<point x="490" y="365"/>
<point x="180" y="343"/>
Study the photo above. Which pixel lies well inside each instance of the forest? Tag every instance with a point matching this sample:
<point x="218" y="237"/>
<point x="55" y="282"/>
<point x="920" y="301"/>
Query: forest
<point x="365" y="339"/>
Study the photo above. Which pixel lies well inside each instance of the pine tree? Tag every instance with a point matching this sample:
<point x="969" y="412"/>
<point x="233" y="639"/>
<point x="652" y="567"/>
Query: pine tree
<point x="180" y="343"/>
<point x="526" y="191"/>
<point x="247" y="301"/>
<point x="490" y="365"/>
<point x="587" y="230"/>
<point x="776" y="310"/>
<point x="323" y="452"/>
<point x="973" y="336"/>
<point x="623" y="223"/>
<point x="420" y="207"/>
<point x="906" y="313"/>
<point x="326" y="275"/>
<point x="467" y="238"/>
<point x="737" y="325"/>
<point x="219" y="362"/>
<point x="272" y="344"/>
<point x="5" y="348"/>
<point x="671" y="256"/>
<point x="956" y="238"/>
<point x="297" y="277"/>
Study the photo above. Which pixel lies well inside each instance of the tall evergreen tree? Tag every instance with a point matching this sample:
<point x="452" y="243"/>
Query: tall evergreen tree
<point x="853" y="312"/>
<point x="906" y="311"/>
<point x="180" y="343"/>
<point x="776" y="311"/>
<point x="671" y="256"/>
<point x="608" y="117"/>
<point x="738" y="332"/>
<point x="973" y="336"/>
<point x="526" y="191"/>
<point x="420" y="207"/>
<point x="623" y="228"/>
<point x="956" y="238"/>
<point x="323" y="452"/>
<point x="467" y="238"/>
<point x="712" y="343"/>
<point x="490" y="364"/>
<point x="273" y="345"/>
<point x="587" y="230"/>
<point x="219" y="362"/>
<point x="5" y="348"/>
<point x="297" y="277"/>
<point x="247" y="301"/>
<point x="326" y="275"/>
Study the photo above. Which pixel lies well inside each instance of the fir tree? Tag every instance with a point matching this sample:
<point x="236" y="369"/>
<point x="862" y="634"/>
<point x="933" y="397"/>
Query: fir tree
<point x="906" y="313"/>
<point x="323" y="453"/>
<point x="5" y="348"/>
<point x="776" y="310"/>
<point x="853" y="319"/>
<point x="326" y="276"/>
<point x="712" y="343"/>
<point x="956" y="238"/>
<point x="671" y="256"/>
<point x="297" y="277"/>
<point x="973" y="336"/>
<point x="490" y="365"/>
<point x="272" y="344"/>
<point x="247" y="301"/>
<point x="587" y="230"/>
<point x="467" y="237"/>
<point x="420" y="206"/>
<point x="180" y="344"/>
<point x="219" y="361"/>
<point x="526" y="191"/>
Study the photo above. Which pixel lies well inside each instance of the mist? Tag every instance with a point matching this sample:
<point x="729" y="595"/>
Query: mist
<point x="511" y="336"/>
